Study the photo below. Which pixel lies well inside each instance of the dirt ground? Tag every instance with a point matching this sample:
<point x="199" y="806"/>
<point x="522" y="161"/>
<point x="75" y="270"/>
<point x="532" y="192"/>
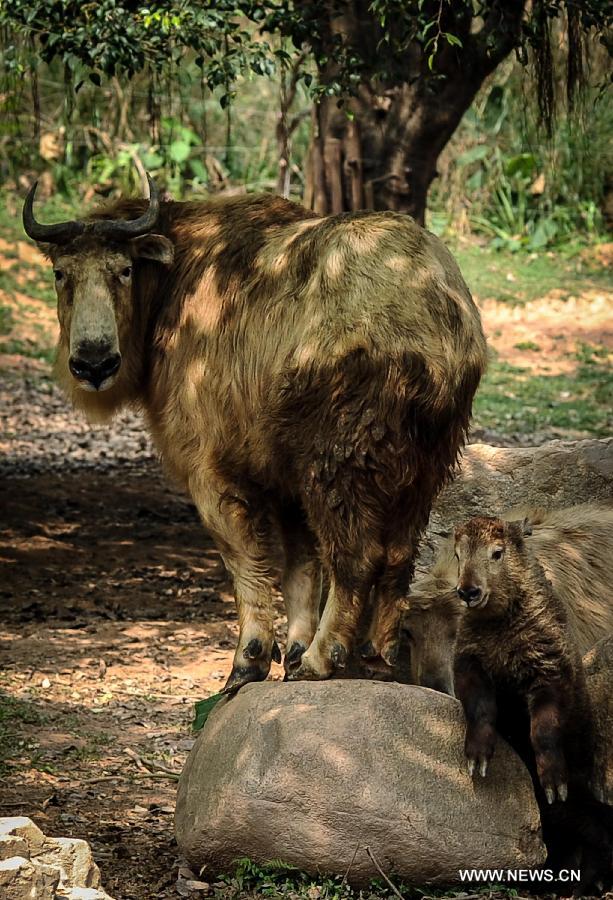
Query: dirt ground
<point x="116" y="613"/>
<point x="115" y="618"/>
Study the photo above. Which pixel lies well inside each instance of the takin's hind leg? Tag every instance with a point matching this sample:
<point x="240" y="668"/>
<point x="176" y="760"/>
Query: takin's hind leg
<point x="301" y="586"/>
<point x="245" y="540"/>
<point x="383" y="640"/>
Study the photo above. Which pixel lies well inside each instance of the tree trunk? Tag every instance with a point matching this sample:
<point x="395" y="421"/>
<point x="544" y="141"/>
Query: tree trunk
<point x="385" y="156"/>
<point x="380" y="149"/>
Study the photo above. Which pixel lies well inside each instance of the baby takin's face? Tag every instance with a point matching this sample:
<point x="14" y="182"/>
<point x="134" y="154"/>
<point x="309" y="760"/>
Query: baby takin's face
<point x="481" y="545"/>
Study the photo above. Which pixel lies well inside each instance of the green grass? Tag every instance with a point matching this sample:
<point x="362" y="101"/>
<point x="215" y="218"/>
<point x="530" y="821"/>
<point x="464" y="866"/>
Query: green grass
<point x="278" y="880"/>
<point x="29" y="350"/>
<point x="511" y="399"/>
<point x="6" y="320"/>
<point x="13" y="715"/>
<point x="487" y="274"/>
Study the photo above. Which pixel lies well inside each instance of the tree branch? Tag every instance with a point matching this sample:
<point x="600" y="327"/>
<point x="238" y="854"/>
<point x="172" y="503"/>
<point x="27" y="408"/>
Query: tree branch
<point x="500" y="34"/>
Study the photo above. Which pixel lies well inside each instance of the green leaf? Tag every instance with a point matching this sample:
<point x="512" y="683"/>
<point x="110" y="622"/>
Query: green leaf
<point x="473" y="154"/>
<point x="179" y="151"/>
<point x="203" y="709"/>
<point x="522" y="164"/>
<point x="452" y="39"/>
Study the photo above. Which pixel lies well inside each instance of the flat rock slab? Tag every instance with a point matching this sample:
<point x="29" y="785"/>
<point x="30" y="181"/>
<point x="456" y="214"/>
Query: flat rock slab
<point x="314" y="773"/>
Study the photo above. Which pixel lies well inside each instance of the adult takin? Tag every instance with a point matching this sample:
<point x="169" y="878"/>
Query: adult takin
<point x="308" y="380"/>
<point x="518" y="672"/>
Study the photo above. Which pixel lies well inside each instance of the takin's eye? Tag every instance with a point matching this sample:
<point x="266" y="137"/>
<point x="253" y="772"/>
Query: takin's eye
<point x="497" y="554"/>
<point x="127" y="272"/>
<point x="59" y="275"/>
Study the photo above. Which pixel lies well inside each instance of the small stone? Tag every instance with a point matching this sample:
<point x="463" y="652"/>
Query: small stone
<point x="75" y="858"/>
<point x="21" y="879"/>
<point x="80" y="893"/>
<point x="13" y="845"/>
<point x="21" y="826"/>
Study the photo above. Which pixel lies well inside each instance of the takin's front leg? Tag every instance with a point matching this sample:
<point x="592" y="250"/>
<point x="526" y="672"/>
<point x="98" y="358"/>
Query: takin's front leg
<point x="545" y="705"/>
<point x="475" y="690"/>
<point x="301" y="585"/>
<point x="243" y="531"/>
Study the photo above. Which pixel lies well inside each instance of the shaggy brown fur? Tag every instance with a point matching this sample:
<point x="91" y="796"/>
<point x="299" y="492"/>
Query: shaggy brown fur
<point x="518" y="670"/>
<point x="574" y="545"/>
<point x="291" y="368"/>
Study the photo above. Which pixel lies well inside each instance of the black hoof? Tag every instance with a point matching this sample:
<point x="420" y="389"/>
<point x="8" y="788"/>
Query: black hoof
<point x="253" y="649"/>
<point x="276" y="653"/>
<point x="294" y="655"/>
<point x="241" y="675"/>
<point x="304" y="672"/>
<point x="367" y="651"/>
<point x="390" y="654"/>
<point x="338" y="656"/>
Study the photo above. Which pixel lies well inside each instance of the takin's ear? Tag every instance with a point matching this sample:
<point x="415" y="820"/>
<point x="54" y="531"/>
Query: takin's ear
<point x="526" y="527"/>
<point x="153" y="246"/>
<point x="514" y="532"/>
<point x="45" y="249"/>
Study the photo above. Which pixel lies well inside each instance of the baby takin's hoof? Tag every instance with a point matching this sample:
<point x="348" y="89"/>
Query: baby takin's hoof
<point x="553" y="776"/>
<point x="479" y="749"/>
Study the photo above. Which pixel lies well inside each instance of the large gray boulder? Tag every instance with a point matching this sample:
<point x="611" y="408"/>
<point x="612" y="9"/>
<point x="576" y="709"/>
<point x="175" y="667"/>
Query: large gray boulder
<point x="330" y="776"/>
<point x="493" y="479"/>
<point x="598" y="665"/>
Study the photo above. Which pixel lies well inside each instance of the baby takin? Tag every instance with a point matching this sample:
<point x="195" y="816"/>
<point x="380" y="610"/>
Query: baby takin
<point x="574" y="545"/>
<point x="518" y="672"/>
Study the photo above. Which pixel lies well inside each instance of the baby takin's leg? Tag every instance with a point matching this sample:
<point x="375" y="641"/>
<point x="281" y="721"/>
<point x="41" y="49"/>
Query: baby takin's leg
<point x="475" y="689"/>
<point x="545" y="705"/>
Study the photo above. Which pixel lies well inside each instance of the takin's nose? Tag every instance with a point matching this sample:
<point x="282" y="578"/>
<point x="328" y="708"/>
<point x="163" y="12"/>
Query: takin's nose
<point x="469" y="595"/>
<point x="94" y="369"/>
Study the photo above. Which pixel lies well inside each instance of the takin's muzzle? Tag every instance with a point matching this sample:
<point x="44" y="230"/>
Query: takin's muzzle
<point x="94" y="366"/>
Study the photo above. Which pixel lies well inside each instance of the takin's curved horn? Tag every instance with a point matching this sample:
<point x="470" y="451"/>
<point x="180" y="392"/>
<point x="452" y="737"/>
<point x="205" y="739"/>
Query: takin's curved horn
<point x="129" y="228"/>
<point x="64" y="232"/>
<point x="61" y="233"/>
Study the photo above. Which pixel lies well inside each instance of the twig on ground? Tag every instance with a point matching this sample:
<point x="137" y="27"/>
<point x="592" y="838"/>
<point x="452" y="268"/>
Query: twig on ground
<point x="346" y="875"/>
<point x="153" y="770"/>
<point x="383" y="875"/>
